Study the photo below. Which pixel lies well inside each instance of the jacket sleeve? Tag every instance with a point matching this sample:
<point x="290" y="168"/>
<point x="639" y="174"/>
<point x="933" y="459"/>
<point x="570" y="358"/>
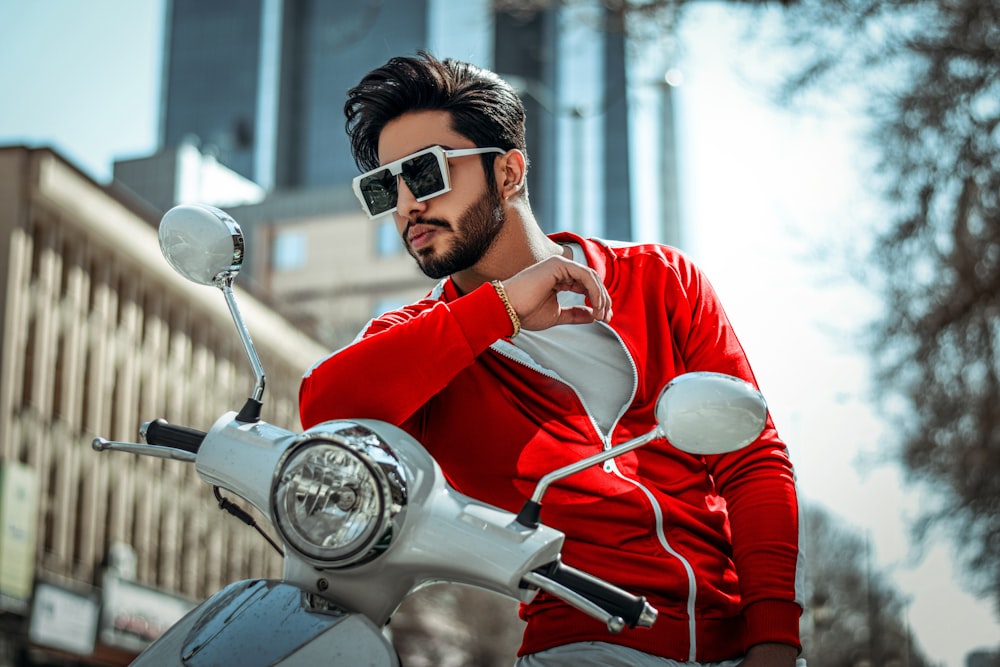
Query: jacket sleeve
<point x="757" y="482"/>
<point x="403" y="359"/>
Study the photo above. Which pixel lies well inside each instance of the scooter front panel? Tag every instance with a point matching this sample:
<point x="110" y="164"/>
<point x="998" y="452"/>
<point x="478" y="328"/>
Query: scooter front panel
<point x="268" y="622"/>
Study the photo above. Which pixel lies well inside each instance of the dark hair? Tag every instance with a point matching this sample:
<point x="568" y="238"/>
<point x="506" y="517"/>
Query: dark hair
<point x="483" y="107"/>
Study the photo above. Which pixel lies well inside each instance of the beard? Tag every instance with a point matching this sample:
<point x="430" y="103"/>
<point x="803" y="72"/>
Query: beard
<point x="479" y="226"/>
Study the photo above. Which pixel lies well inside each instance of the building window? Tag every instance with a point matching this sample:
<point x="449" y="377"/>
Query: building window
<point x="387" y="241"/>
<point x="289" y="251"/>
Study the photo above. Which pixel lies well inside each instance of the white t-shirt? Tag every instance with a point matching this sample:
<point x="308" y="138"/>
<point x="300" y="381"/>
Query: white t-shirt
<point x="588" y="357"/>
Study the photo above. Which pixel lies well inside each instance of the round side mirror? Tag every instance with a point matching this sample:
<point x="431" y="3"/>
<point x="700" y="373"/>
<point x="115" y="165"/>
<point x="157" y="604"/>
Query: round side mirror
<point x="202" y="243"/>
<point x="710" y="413"/>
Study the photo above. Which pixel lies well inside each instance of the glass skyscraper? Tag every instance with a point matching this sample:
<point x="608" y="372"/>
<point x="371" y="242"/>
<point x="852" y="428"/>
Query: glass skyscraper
<point x="261" y="83"/>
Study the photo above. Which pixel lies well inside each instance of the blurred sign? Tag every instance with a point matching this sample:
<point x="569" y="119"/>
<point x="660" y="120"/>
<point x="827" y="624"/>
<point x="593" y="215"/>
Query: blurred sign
<point x="64" y="619"/>
<point x="134" y="615"/>
<point x="18" y="518"/>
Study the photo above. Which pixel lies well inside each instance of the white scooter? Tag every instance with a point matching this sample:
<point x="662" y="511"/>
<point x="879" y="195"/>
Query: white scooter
<point x="365" y="515"/>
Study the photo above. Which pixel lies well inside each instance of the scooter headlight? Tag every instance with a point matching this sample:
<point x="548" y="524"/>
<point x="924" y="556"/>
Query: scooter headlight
<point x="334" y="499"/>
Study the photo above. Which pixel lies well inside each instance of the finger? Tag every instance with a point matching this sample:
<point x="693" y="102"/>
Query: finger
<point x="584" y="280"/>
<point x="599" y="299"/>
<point x="576" y="315"/>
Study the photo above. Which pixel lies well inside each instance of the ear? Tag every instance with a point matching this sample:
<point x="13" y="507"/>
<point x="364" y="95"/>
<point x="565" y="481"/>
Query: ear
<point x="510" y="173"/>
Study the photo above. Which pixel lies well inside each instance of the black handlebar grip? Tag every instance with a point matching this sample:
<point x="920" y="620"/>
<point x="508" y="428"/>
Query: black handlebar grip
<point x="631" y="608"/>
<point x="163" y="434"/>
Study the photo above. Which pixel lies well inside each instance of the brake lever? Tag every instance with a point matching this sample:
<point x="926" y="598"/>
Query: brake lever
<point x="101" y="445"/>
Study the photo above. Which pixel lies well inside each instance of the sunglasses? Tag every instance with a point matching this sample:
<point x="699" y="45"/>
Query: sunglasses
<point x="424" y="172"/>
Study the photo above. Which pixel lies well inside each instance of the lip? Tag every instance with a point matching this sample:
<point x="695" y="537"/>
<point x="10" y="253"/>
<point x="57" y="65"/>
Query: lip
<point x="420" y="236"/>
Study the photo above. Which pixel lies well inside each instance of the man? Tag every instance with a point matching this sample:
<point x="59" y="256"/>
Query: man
<point x="535" y="351"/>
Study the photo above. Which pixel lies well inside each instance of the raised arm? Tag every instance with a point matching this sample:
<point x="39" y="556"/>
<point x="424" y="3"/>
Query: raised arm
<point x="401" y="360"/>
<point x="404" y="358"/>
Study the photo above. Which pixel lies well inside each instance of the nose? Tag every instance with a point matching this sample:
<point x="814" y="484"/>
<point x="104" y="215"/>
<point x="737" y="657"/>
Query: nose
<point x="407" y="206"/>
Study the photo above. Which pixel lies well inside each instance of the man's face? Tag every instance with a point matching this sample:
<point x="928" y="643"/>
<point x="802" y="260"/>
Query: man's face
<point x="451" y="232"/>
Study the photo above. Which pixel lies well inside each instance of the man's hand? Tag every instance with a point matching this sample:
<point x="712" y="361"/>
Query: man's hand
<point x="533" y="291"/>
<point x="770" y="655"/>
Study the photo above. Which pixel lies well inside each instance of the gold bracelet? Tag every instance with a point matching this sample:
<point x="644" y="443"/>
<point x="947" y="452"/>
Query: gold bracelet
<point x="502" y="293"/>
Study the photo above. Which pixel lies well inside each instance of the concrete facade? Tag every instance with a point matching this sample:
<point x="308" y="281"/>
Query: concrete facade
<point x="98" y="336"/>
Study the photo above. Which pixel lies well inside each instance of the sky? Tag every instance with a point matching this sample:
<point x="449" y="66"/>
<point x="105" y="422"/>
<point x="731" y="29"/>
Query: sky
<point x="768" y="199"/>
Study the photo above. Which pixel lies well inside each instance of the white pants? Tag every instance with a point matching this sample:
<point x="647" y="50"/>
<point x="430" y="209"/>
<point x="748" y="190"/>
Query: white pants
<point x="602" y="654"/>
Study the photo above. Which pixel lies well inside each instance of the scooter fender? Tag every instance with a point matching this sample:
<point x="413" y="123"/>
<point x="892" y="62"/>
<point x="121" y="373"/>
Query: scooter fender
<point x="269" y="622"/>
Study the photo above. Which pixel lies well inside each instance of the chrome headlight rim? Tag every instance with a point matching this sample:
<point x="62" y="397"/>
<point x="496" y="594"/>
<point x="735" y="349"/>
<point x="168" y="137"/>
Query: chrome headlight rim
<point x="369" y="451"/>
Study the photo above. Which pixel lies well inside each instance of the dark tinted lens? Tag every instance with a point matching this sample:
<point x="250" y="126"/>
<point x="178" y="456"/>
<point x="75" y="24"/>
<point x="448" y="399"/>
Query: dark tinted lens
<point x="423" y="175"/>
<point x="379" y="191"/>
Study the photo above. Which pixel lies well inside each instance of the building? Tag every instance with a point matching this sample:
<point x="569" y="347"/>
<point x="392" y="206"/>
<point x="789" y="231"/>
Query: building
<point x="185" y="175"/>
<point x="263" y="81"/>
<point x="323" y="265"/>
<point x="100" y="551"/>
<point x="261" y="84"/>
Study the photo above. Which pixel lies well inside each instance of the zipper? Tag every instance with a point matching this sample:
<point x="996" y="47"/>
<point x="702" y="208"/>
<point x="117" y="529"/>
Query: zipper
<point x="523" y="358"/>
<point x="611" y="467"/>
<point x="662" y="537"/>
<point x="503" y="348"/>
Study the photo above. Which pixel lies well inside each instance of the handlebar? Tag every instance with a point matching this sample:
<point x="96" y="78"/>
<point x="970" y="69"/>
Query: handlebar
<point x="604" y="601"/>
<point x="163" y="434"/>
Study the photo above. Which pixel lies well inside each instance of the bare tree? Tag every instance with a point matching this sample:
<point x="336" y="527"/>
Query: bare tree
<point x="854" y="614"/>
<point x="928" y="74"/>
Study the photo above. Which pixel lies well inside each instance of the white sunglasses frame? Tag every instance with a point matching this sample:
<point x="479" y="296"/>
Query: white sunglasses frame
<point x="396" y="168"/>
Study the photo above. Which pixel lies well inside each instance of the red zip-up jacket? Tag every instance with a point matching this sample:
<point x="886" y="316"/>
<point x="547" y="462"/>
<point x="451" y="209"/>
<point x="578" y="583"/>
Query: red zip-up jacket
<point x="712" y="542"/>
